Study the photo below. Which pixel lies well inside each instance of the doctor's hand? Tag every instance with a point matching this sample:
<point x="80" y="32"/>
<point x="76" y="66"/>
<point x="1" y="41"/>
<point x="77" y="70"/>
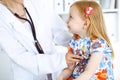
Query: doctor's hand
<point x="72" y="58"/>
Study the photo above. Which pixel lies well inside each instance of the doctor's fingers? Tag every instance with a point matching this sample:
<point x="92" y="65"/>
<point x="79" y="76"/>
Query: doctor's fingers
<point x="71" y="58"/>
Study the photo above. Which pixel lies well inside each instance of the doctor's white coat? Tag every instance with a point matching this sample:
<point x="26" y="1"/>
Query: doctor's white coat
<point x="18" y="42"/>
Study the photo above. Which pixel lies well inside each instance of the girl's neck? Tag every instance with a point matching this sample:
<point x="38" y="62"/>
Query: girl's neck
<point x="83" y="36"/>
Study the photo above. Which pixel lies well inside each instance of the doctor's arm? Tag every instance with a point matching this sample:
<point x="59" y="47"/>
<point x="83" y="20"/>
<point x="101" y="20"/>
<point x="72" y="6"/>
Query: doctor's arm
<point x="61" y="35"/>
<point x="29" y="60"/>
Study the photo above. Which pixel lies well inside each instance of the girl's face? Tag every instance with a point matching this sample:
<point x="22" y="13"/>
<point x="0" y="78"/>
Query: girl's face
<point x="75" y="23"/>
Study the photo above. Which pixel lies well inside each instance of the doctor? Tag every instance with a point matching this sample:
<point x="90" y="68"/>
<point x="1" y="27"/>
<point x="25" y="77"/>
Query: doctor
<point x="27" y="30"/>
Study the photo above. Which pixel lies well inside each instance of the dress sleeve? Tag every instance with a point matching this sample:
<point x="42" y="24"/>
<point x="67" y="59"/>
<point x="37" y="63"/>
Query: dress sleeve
<point x="99" y="45"/>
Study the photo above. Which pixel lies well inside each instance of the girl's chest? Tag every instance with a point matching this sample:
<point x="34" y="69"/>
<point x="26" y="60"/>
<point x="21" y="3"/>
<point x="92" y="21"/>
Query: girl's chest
<point x="82" y="48"/>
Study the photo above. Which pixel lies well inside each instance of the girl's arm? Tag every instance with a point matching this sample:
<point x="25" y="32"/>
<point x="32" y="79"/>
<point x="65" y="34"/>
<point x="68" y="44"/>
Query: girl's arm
<point x="91" y="67"/>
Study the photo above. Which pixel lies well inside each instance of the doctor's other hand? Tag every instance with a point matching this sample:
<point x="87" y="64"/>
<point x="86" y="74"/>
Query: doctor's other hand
<point x="72" y="58"/>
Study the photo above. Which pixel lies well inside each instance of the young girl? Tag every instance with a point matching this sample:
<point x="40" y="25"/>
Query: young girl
<point x="90" y="40"/>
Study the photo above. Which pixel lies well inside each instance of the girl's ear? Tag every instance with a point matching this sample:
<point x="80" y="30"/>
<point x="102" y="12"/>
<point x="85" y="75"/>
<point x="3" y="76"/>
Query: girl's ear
<point x="87" y="23"/>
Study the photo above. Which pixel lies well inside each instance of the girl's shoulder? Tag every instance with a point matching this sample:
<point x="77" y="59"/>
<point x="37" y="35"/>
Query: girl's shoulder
<point x="99" y="45"/>
<point x="96" y="40"/>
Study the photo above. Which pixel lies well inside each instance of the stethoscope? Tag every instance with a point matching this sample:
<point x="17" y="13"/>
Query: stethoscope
<point x="37" y="44"/>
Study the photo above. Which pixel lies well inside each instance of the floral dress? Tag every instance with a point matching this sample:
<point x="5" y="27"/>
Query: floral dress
<point x="85" y="47"/>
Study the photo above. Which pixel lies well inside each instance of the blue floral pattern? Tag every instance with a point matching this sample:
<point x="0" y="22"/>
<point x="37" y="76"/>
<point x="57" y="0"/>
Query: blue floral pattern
<point x="85" y="47"/>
